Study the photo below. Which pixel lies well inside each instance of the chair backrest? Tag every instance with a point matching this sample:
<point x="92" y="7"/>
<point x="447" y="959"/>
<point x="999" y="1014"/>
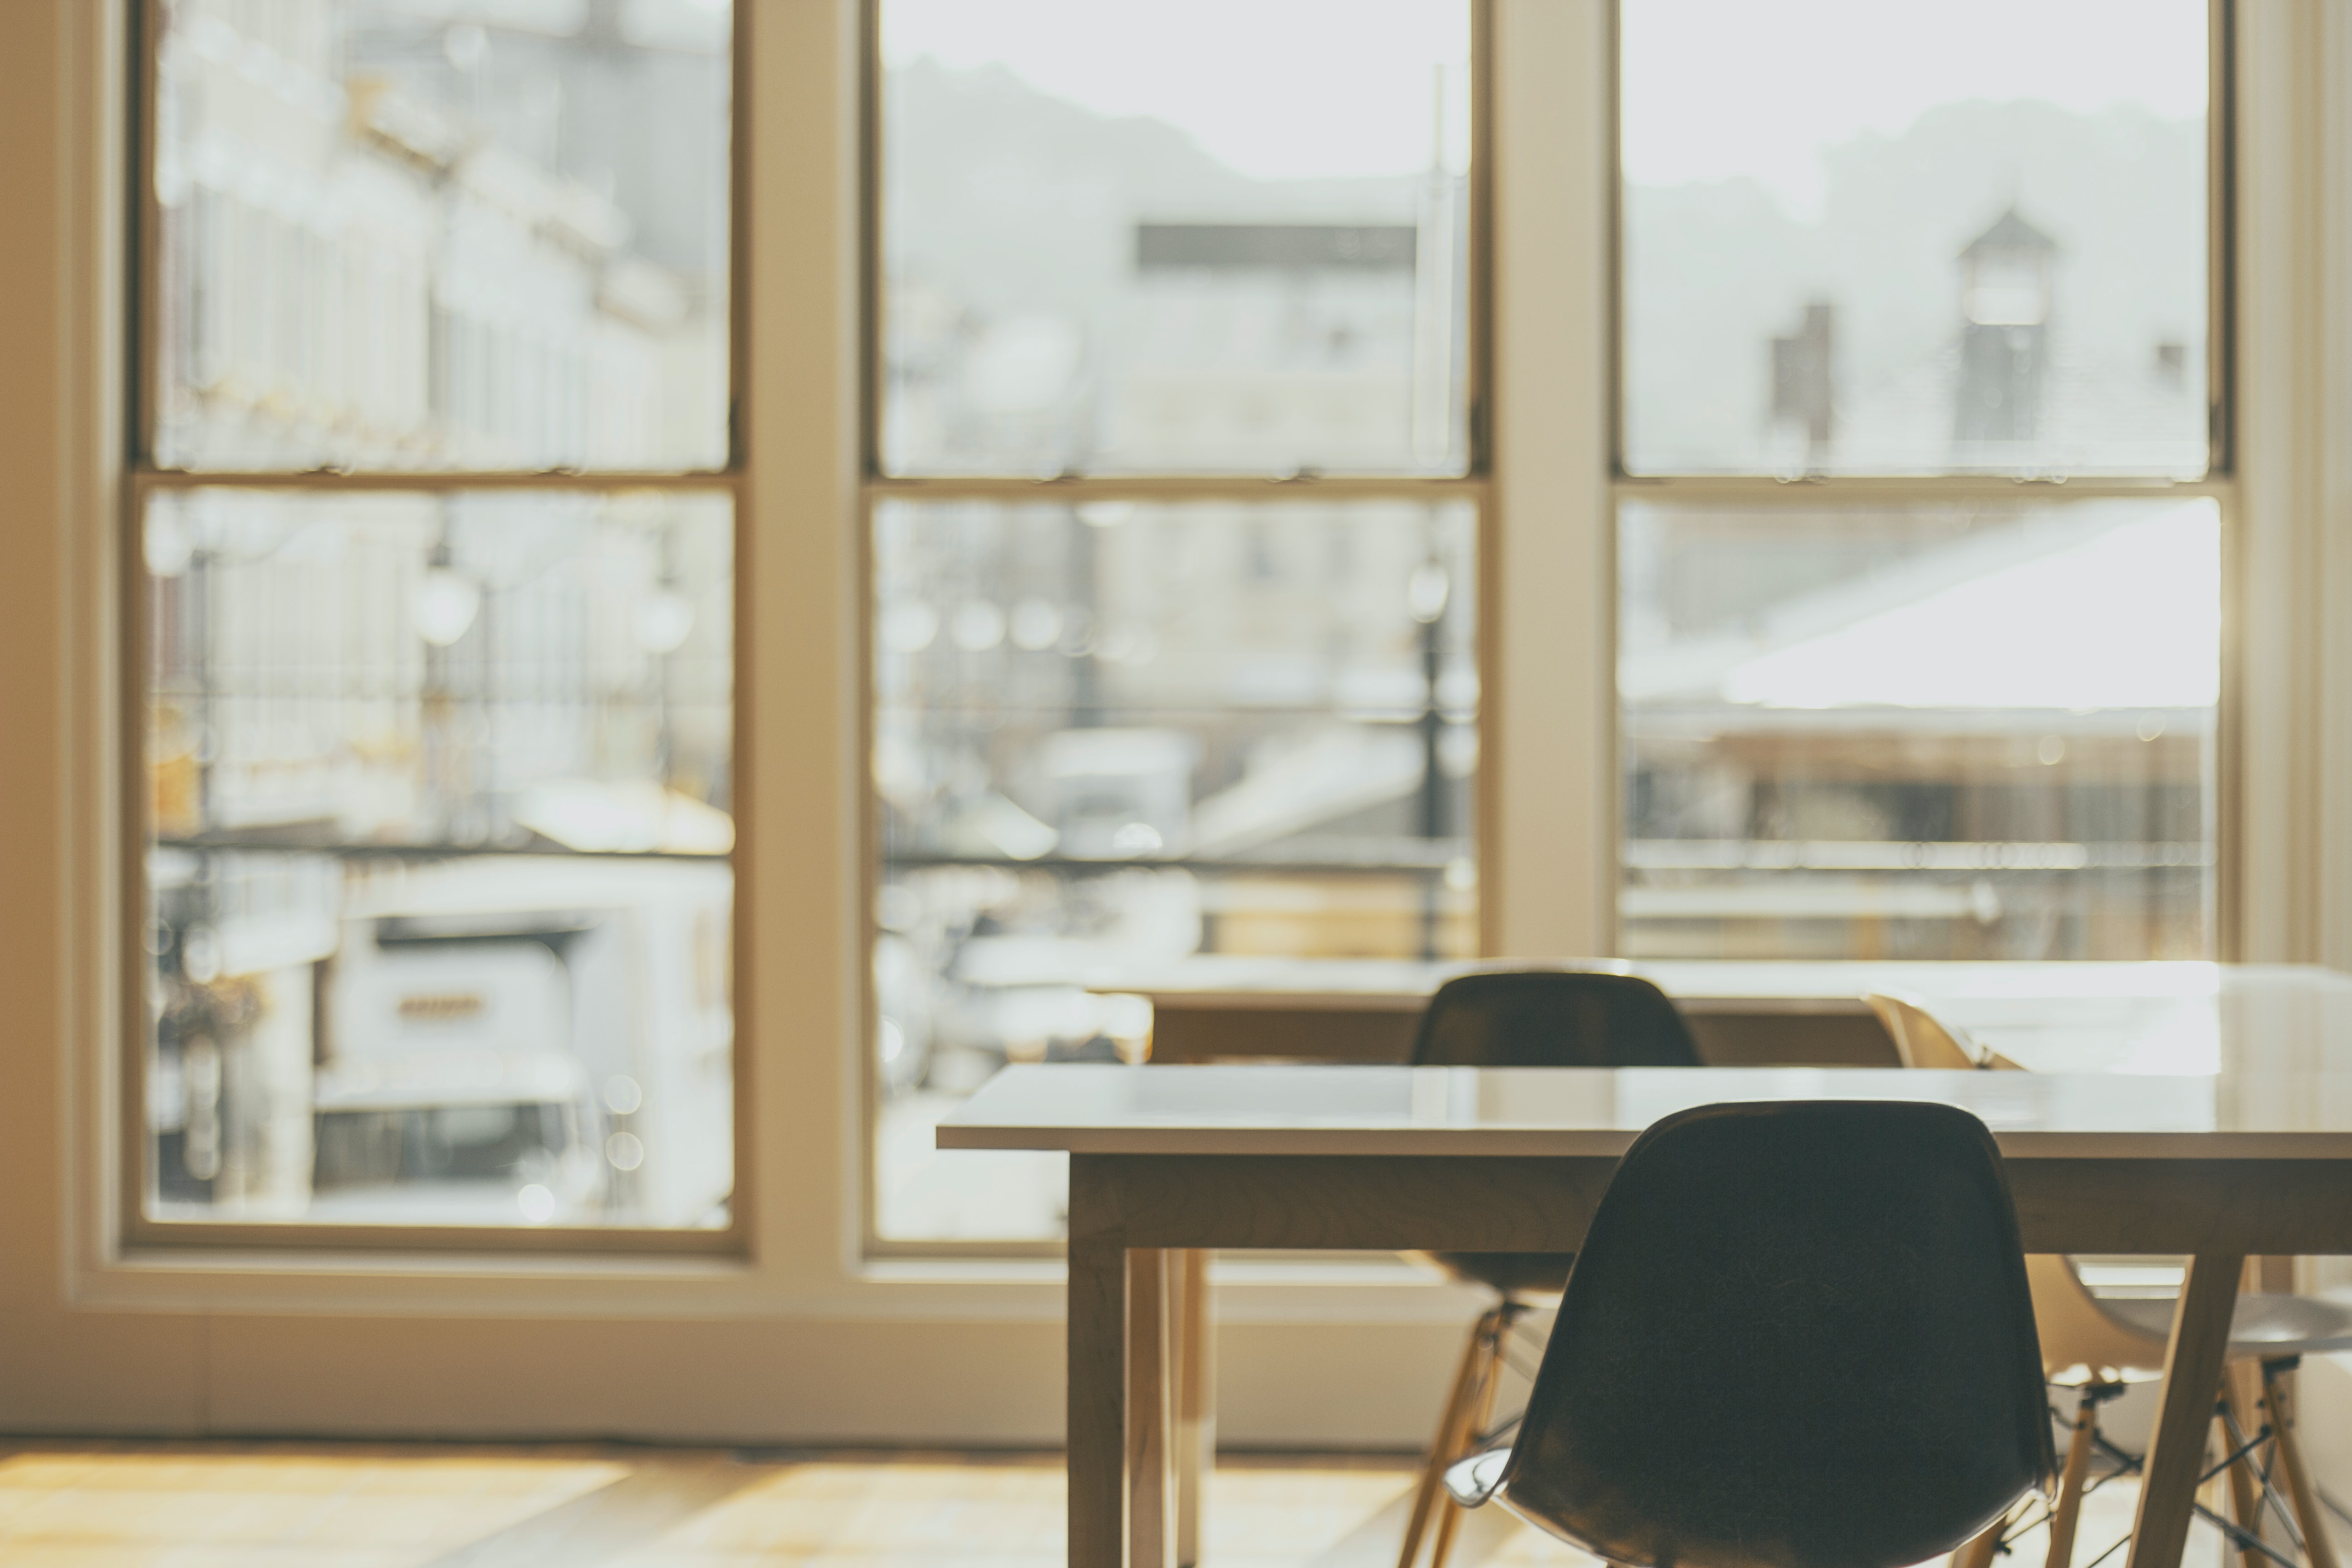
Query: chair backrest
<point x="1552" y="1018"/>
<point x="1920" y="1038"/>
<point x="1798" y="1336"/>
<point x="2079" y="1338"/>
<point x="2076" y="1332"/>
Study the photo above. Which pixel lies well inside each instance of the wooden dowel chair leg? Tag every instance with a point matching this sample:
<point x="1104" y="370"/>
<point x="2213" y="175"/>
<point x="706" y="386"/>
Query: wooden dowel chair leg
<point x="2278" y="1405"/>
<point x="1978" y="1553"/>
<point x="1442" y="1448"/>
<point x="1479" y="1411"/>
<point x="2238" y="1395"/>
<point x="2066" y="1513"/>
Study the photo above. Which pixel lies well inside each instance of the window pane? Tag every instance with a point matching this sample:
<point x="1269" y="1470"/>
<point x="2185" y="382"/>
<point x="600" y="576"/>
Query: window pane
<point x="1910" y="239"/>
<point x="400" y="233"/>
<point x="1225" y="236"/>
<point x="1114" y="735"/>
<point x="439" y="889"/>
<point x="1923" y="732"/>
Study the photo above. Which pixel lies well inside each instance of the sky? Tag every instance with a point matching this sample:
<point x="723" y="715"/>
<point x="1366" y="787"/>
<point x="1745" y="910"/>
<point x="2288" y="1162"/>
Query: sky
<point x="1273" y="88"/>
<point x="1717" y="89"/>
<point x="1712" y="89"/>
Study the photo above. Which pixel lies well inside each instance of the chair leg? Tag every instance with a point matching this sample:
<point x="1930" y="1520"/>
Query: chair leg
<point x="2065" y="1513"/>
<point x="1481" y="1411"/>
<point x="2239" y="1398"/>
<point x="1444" y="1447"/>
<point x="2279" y="1407"/>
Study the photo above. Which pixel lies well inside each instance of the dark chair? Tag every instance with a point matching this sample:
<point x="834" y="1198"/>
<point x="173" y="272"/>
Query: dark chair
<point x="1799" y="1335"/>
<point x="1552" y="1018"/>
<point x="1523" y="1018"/>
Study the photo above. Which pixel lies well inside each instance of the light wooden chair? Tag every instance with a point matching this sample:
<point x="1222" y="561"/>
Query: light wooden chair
<point x="1923" y="1040"/>
<point x="2098" y="1345"/>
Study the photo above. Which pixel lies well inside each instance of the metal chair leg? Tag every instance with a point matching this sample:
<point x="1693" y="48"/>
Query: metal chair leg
<point x="1447" y="1445"/>
<point x="2279" y="1407"/>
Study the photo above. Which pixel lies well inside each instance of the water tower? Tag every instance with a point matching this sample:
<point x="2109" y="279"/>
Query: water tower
<point x="2005" y="275"/>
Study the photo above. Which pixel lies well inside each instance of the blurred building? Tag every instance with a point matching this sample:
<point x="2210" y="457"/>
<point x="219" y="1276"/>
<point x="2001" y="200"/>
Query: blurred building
<point x="1804" y="387"/>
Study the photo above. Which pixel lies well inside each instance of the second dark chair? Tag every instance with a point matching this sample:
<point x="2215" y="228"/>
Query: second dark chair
<point x="1523" y="1018"/>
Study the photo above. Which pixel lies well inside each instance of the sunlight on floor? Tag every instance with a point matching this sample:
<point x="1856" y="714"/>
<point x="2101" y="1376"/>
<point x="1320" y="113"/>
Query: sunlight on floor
<point x="280" y="1506"/>
<point x="194" y="1510"/>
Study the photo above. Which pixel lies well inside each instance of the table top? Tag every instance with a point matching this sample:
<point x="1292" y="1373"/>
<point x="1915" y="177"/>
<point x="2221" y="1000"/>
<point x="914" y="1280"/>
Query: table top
<point x="1596" y="1112"/>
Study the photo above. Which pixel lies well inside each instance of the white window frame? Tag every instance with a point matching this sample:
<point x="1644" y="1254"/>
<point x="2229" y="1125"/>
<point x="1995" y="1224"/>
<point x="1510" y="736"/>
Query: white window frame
<point x="799" y="1338"/>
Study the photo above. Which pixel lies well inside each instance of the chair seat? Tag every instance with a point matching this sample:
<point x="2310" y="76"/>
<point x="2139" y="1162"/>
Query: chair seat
<point x="2262" y="1328"/>
<point x="1514" y="1274"/>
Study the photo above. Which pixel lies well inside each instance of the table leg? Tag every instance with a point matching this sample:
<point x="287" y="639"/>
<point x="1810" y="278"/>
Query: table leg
<point x="1150" y="1520"/>
<point x="2193" y="1358"/>
<point x="1096" y="1393"/>
<point x="1194" y="1344"/>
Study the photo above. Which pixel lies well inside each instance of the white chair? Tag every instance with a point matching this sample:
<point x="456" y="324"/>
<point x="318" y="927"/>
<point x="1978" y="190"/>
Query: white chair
<point x="2098" y="1344"/>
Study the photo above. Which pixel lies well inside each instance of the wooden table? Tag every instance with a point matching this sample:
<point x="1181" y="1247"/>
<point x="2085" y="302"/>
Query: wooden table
<point x="1742" y="1013"/>
<point x="1167" y="1161"/>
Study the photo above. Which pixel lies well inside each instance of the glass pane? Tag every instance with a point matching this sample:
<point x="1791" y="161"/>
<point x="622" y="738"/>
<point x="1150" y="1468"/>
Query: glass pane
<point x="442" y="233"/>
<point x="1922" y="732"/>
<point x="1915" y="239"/>
<point x="439" y="889"/>
<point x="1110" y="736"/>
<point x="1227" y="237"/>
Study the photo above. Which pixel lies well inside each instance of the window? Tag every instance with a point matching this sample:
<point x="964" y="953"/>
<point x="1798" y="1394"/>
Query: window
<point x="1118" y="238"/>
<point x="1920" y="562"/>
<point x="1868" y="239"/>
<point x="437" y="822"/>
<point x="1133" y="702"/>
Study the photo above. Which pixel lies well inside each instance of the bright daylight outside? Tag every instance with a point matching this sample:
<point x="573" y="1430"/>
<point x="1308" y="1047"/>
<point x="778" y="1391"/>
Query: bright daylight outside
<point x="1111" y="734"/>
<point x="1928" y="724"/>
<point x="439" y="896"/>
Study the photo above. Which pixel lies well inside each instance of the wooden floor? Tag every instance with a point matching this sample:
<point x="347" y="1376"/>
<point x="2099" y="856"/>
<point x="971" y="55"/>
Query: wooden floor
<point x="117" y="1505"/>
